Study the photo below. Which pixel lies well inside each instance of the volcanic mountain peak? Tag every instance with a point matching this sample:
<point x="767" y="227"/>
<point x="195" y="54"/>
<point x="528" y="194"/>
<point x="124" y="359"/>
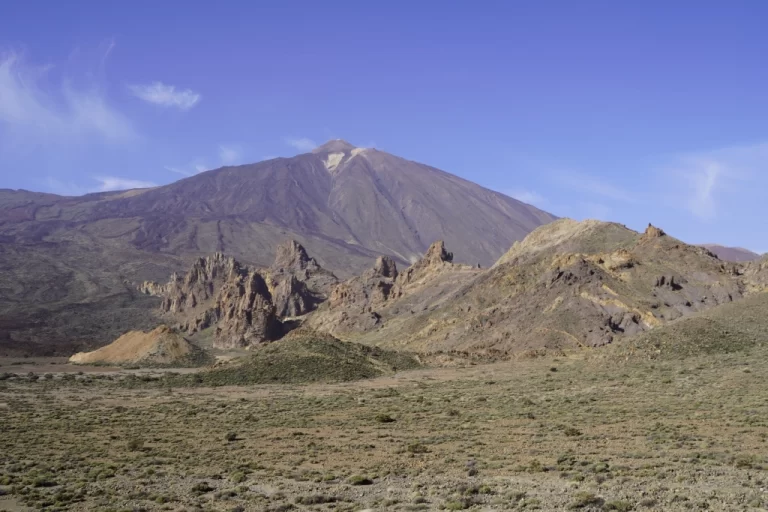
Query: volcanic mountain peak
<point x="334" y="146"/>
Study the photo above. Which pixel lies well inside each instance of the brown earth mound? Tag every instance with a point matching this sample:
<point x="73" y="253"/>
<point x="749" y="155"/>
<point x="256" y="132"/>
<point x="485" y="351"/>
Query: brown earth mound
<point x="162" y="347"/>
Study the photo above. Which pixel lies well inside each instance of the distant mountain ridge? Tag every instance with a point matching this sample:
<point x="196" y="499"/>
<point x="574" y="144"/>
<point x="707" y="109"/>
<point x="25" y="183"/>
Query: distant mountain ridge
<point x="735" y="254"/>
<point x="67" y="263"/>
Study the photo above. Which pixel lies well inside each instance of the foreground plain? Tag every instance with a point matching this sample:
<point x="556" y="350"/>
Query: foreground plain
<point x="576" y="432"/>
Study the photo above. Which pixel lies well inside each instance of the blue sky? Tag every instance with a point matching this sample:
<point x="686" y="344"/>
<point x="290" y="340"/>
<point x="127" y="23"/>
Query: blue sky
<point x="629" y="111"/>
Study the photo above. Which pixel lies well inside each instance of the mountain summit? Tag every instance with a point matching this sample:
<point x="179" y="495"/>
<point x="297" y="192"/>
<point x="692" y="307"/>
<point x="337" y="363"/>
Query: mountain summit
<point x="334" y="146"/>
<point x="71" y="257"/>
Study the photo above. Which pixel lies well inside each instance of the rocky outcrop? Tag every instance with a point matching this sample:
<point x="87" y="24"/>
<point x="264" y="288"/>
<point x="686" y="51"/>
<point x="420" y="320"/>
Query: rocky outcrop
<point x="385" y="267"/>
<point x="755" y="274"/>
<point x="244" y="304"/>
<point x="292" y="298"/>
<point x="246" y="314"/>
<point x="382" y="293"/>
<point x="292" y="257"/>
<point x="195" y="289"/>
<point x="297" y="281"/>
<point x="435" y="259"/>
<point x="368" y="290"/>
<point x="653" y="232"/>
<point x="219" y="291"/>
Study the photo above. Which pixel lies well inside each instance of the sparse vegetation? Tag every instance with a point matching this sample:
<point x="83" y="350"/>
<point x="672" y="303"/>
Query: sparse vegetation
<point x="114" y="446"/>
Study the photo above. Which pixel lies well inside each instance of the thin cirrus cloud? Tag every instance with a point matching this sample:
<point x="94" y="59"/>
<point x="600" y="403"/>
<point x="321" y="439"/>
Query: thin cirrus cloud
<point x="39" y="109"/>
<point x="527" y="196"/>
<point x="300" y="143"/>
<point x="102" y="184"/>
<point x="720" y="178"/>
<point x="596" y="186"/>
<point x="228" y="154"/>
<point x="164" y="95"/>
<point x="109" y="183"/>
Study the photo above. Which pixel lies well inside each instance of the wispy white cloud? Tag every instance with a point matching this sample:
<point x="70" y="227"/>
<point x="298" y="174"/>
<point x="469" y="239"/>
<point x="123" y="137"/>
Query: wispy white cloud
<point x="37" y="110"/>
<point x="703" y="182"/>
<point x="190" y="169"/>
<point x="593" y="210"/>
<point x="178" y="171"/>
<point x="708" y="179"/>
<point x="164" y="95"/>
<point x="102" y="184"/>
<point x="108" y="183"/>
<point x="63" y="188"/>
<point x="300" y="143"/>
<point x="230" y="154"/>
<point x="598" y="186"/>
<point x="527" y="196"/>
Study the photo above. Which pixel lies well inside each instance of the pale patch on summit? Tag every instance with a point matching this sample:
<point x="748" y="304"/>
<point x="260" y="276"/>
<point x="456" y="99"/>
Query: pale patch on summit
<point x="333" y="161"/>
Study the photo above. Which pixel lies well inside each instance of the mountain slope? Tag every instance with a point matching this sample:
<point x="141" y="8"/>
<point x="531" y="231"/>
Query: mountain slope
<point x="566" y="285"/>
<point x="727" y="328"/>
<point x="69" y="260"/>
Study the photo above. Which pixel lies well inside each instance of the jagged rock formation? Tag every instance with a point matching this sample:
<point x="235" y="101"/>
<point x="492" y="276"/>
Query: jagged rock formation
<point x="195" y="289"/>
<point x="160" y="347"/>
<point x="385" y="267"/>
<point x="382" y="294"/>
<point x="297" y="281"/>
<point x="653" y="232"/>
<point x="245" y="312"/>
<point x="244" y="304"/>
<point x="435" y="259"/>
